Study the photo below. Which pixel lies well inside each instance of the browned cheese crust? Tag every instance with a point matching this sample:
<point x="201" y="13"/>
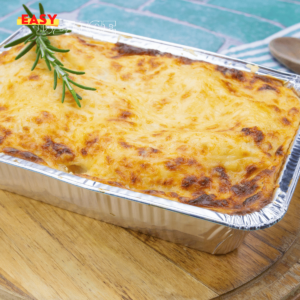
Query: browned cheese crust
<point x="158" y="124"/>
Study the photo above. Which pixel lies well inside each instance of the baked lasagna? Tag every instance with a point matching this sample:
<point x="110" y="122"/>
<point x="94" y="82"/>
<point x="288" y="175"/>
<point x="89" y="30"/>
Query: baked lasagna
<point x="158" y="124"/>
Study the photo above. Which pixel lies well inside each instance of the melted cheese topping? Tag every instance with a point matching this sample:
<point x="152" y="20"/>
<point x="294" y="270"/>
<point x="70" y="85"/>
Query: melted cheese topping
<point x="184" y="130"/>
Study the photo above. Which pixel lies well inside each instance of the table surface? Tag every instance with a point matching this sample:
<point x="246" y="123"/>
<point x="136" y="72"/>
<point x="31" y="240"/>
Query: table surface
<point x="212" y="25"/>
<point x="50" y="253"/>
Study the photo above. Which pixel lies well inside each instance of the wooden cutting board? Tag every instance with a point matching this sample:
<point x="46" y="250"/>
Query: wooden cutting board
<point x="50" y="253"/>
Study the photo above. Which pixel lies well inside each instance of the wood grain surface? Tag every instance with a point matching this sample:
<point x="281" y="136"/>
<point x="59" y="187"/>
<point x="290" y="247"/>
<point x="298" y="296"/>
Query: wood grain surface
<point x="50" y="253"/>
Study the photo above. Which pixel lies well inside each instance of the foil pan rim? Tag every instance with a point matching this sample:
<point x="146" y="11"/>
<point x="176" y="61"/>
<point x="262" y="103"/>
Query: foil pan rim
<point x="266" y="217"/>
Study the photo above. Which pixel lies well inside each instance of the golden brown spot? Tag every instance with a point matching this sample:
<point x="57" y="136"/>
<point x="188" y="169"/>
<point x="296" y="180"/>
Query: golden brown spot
<point x="154" y="63"/>
<point x="9" y="119"/>
<point x="141" y="62"/>
<point x="89" y="144"/>
<point x="276" y="108"/>
<point x="116" y="66"/>
<point x="146" y="152"/>
<point x="194" y="180"/>
<point x="250" y="170"/>
<point x="23" y="155"/>
<point x="232" y="73"/>
<point x="133" y="178"/>
<point x="154" y="192"/>
<point x="4" y="59"/>
<point x="186" y="95"/>
<point x="171" y="165"/>
<point x="84" y="152"/>
<point x="44" y="117"/>
<point x="185" y="61"/>
<point x="167" y="182"/>
<point x="182" y="148"/>
<point x="126" y="77"/>
<point x="121" y="174"/>
<point x="58" y="150"/>
<point x="244" y="189"/>
<point x="34" y="77"/>
<point x="2" y="108"/>
<point x="205" y="200"/>
<point x="161" y="103"/>
<point x="252" y="199"/>
<point x="109" y="160"/>
<point x="266" y="79"/>
<point x="222" y="172"/>
<point x="83" y="42"/>
<point x="268" y="88"/>
<point x="191" y="162"/>
<point x="4" y="53"/>
<point x="257" y="135"/>
<point x="204" y="181"/>
<point x="115" y="183"/>
<point x="6" y="133"/>
<point x="286" y="121"/>
<point x="125" y="145"/>
<point x="38" y="120"/>
<point x="125" y="114"/>
<point x="293" y="111"/>
<point x="188" y="181"/>
<point x="279" y="151"/>
<point x="229" y="86"/>
<point x="174" y="195"/>
<point x="127" y="50"/>
<point x="224" y="179"/>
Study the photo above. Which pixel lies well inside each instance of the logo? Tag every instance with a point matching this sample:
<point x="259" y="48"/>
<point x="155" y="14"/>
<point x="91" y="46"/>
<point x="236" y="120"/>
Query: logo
<point x="25" y="20"/>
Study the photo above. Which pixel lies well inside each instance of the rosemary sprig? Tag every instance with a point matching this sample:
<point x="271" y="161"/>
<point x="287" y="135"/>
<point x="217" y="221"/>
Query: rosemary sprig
<point x="39" y="37"/>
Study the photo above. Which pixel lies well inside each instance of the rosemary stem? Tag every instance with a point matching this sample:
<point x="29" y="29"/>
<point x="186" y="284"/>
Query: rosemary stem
<point x="39" y="37"/>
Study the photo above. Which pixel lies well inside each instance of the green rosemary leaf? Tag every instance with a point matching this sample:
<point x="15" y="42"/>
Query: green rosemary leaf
<point x="18" y="41"/>
<point x="63" y="92"/>
<point x="46" y="41"/>
<point x="49" y="51"/>
<point x="59" y="62"/>
<point x="25" y="50"/>
<point x="75" y="97"/>
<point x="55" y="79"/>
<point x="42" y="11"/>
<point x="39" y="37"/>
<point x="42" y="52"/>
<point x="73" y="72"/>
<point x="29" y="39"/>
<point x="28" y="11"/>
<point x="55" y="34"/>
<point x="36" y="60"/>
<point x="47" y="63"/>
<point x="57" y="71"/>
<point x="57" y="49"/>
<point x="82" y="86"/>
<point x="61" y="30"/>
<point x="51" y="59"/>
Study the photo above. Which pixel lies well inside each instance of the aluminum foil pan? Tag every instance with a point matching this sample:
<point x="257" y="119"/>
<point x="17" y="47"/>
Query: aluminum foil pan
<point x="191" y="226"/>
